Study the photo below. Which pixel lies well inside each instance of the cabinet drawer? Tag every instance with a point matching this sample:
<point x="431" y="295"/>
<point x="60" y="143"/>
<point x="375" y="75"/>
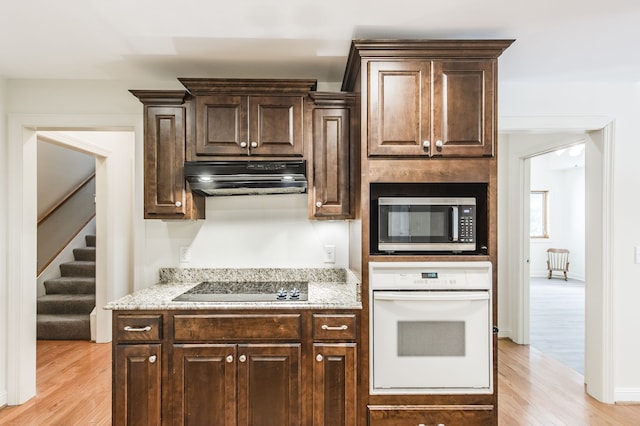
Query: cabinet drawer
<point x="236" y="327"/>
<point x="468" y="415"/>
<point x="332" y="327"/>
<point x="138" y="327"/>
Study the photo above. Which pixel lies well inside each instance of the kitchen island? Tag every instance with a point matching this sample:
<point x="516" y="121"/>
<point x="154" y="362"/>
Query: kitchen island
<point x="278" y="362"/>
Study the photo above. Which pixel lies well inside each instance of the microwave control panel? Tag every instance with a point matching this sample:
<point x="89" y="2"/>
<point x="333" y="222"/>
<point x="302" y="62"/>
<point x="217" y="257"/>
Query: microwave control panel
<point x="467" y="224"/>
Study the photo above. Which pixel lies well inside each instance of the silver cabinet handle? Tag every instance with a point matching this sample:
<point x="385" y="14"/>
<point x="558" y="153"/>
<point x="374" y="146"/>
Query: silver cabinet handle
<point x="318" y="204"/>
<point x="152" y="359"/>
<point x="137" y="329"/>
<point x="439" y="144"/>
<point x="319" y="358"/>
<point x="242" y="358"/>
<point x="178" y="203"/>
<point x="243" y="144"/>
<point x="426" y="144"/>
<point x="340" y="327"/>
<point x="229" y="358"/>
<point x="254" y="144"/>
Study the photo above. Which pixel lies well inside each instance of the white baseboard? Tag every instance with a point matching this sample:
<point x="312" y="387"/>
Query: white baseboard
<point x="504" y="333"/>
<point x="622" y="395"/>
<point x="3" y="398"/>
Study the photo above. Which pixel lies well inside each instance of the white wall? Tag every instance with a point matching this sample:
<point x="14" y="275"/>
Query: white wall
<point x="60" y="170"/>
<point x="3" y="246"/>
<point x="622" y="102"/>
<point x="268" y="231"/>
<point x="566" y="214"/>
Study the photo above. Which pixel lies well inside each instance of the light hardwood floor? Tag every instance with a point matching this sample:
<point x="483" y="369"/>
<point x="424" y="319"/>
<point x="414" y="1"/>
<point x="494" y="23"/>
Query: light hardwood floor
<point x="74" y="388"/>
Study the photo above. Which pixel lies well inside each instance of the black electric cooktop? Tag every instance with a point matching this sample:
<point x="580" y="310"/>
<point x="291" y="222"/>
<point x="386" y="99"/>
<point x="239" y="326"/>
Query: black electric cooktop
<point x="246" y="291"/>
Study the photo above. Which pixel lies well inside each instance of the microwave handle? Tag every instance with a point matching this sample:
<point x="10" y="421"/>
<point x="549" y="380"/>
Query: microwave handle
<point x="454" y="224"/>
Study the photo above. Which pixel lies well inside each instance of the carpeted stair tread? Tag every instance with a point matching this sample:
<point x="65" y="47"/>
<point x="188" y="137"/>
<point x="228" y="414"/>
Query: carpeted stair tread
<point x="78" y="268"/>
<point x="63" y="327"/>
<point x="64" y="310"/>
<point x="66" y="303"/>
<point x="71" y="285"/>
<point x="85" y="253"/>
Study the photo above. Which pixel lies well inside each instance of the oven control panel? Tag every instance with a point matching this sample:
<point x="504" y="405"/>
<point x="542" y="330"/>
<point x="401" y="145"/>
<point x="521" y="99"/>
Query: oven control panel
<point x="430" y="275"/>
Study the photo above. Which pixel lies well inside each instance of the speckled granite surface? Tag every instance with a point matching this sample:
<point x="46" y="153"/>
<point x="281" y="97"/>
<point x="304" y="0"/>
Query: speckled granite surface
<point x="327" y="289"/>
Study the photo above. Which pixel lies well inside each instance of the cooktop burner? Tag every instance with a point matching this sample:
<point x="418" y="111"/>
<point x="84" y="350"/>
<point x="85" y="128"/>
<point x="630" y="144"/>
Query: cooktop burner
<point x="245" y="291"/>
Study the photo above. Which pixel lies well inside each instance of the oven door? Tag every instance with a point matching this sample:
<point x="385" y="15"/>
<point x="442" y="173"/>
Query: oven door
<point x="431" y="342"/>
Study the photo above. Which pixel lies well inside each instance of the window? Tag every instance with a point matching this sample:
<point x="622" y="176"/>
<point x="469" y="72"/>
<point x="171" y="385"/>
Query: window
<point x="539" y="205"/>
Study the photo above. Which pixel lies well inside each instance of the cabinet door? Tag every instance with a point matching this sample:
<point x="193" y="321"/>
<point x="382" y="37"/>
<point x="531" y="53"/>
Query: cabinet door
<point x="331" y="196"/>
<point x="269" y="392"/>
<point x="334" y="384"/>
<point x="164" y="154"/>
<point x="221" y="125"/>
<point x="136" y="386"/>
<point x="399" y="108"/>
<point x="276" y="125"/>
<point x="204" y="384"/>
<point x="463" y="108"/>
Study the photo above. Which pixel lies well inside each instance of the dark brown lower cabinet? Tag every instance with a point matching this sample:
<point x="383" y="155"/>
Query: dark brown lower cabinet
<point x="137" y="377"/>
<point x="422" y="415"/>
<point x="235" y="368"/>
<point x="229" y="384"/>
<point x="334" y="384"/>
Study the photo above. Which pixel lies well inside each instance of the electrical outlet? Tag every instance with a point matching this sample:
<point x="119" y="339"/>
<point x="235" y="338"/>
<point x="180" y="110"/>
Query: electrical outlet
<point x="185" y="254"/>
<point x="329" y="254"/>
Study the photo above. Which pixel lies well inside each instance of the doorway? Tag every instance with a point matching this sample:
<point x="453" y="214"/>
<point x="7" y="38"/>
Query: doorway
<point x="557" y="221"/>
<point x="520" y="139"/>
<point x="115" y="254"/>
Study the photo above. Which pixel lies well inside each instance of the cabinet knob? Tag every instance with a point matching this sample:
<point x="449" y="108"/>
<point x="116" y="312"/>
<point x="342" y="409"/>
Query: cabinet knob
<point x="243" y="144"/>
<point x="439" y="144"/>
<point x="229" y="358"/>
<point x="242" y="358"/>
<point x="318" y="204"/>
<point x="178" y="203"/>
<point x="152" y="359"/>
<point x="254" y="144"/>
<point x="319" y="358"/>
<point x="426" y="144"/>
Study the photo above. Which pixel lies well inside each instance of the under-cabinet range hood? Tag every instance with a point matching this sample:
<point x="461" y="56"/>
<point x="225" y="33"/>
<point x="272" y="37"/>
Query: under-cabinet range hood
<point x="213" y="178"/>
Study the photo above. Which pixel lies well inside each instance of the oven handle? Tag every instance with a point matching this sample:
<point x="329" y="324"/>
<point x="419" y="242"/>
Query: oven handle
<point x="430" y="295"/>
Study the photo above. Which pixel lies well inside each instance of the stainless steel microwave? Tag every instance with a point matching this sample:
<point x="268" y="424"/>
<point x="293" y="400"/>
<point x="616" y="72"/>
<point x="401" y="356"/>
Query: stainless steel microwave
<point x="407" y="224"/>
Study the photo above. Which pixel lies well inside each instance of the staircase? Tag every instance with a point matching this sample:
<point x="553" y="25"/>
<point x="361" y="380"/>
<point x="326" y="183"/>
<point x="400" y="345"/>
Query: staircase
<point x="63" y="312"/>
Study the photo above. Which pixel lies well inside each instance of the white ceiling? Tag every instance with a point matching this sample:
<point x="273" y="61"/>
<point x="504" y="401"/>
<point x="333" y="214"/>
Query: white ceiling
<point x="165" y="39"/>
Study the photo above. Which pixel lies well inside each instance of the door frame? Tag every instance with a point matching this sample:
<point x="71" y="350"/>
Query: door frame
<point x="22" y="231"/>
<point x="599" y="248"/>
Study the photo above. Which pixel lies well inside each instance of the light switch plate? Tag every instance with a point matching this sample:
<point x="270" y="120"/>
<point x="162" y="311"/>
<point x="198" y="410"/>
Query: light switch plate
<point x="185" y="254"/>
<point x="329" y="254"/>
<point x="637" y="254"/>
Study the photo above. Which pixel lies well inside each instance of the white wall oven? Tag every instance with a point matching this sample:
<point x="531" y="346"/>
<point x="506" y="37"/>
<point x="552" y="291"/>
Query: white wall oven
<point x="431" y="330"/>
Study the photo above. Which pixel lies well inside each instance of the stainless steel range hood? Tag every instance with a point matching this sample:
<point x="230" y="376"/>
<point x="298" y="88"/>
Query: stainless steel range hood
<point x="213" y="178"/>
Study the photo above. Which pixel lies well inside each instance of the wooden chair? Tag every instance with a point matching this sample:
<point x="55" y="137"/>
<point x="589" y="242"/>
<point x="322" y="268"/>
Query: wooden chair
<point x="558" y="260"/>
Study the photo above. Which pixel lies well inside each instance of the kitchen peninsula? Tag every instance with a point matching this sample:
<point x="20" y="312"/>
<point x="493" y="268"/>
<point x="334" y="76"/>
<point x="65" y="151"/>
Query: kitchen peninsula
<point x="222" y="362"/>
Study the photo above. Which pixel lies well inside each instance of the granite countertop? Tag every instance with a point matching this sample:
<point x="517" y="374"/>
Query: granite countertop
<point x="327" y="289"/>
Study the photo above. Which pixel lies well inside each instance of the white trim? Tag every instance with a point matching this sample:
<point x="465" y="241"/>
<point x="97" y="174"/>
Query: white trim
<point x="21" y="242"/>
<point x="599" y="380"/>
<point x="69" y="141"/>
<point x="631" y="395"/>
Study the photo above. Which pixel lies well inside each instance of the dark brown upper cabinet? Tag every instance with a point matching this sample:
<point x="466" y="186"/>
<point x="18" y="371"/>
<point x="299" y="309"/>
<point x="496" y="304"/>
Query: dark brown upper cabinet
<point x="335" y="131"/>
<point x="428" y="98"/>
<point x="166" y="195"/>
<point x="245" y="117"/>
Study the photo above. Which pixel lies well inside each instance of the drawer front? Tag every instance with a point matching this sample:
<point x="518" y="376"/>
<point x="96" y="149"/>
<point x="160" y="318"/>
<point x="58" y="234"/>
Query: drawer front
<point x="137" y="328"/>
<point x="334" y="327"/>
<point x="467" y="415"/>
<point x="236" y="327"/>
